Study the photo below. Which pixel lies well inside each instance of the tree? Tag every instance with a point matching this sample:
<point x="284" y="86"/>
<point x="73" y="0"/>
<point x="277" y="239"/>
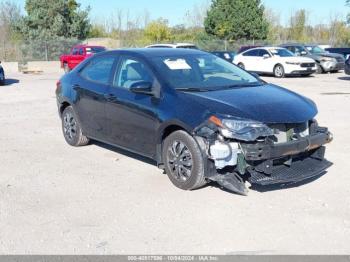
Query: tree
<point x="157" y="31"/>
<point x="51" y="19"/>
<point x="297" y="28"/>
<point x="10" y="14"/>
<point x="236" y="19"/>
<point x="348" y="17"/>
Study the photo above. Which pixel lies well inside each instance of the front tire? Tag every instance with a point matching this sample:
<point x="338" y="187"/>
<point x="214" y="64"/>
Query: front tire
<point x="183" y="161"/>
<point x="278" y="71"/>
<point x="71" y="128"/>
<point x="319" y="69"/>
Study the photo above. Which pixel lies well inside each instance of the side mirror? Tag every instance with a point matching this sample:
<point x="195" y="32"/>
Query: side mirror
<point x="265" y="56"/>
<point x="142" y="87"/>
<point x="303" y="53"/>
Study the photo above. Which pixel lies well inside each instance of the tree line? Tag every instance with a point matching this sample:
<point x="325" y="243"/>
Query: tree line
<point x="213" y="24"/>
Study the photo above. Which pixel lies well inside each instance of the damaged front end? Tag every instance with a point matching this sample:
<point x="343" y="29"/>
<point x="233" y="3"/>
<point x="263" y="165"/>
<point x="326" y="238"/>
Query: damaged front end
<point x="263" y="154"/>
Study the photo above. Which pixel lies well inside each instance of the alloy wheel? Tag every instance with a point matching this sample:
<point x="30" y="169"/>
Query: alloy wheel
<point x="180" y="161"/>
<point x="69" y="126"/>
<point x="279" y="71"/>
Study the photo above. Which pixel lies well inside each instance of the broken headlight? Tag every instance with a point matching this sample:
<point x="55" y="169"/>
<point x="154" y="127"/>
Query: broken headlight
<point x="241" y="129"/>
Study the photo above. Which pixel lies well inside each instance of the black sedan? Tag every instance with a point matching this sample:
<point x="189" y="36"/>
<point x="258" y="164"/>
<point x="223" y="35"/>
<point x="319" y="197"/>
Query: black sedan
<point x="2" y="75"/>
<point x="347" y="66"/>
<point x="199" y="117"/>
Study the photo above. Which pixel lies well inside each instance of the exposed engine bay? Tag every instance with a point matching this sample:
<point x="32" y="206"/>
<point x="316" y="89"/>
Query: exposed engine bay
<point x="264" y="154"/>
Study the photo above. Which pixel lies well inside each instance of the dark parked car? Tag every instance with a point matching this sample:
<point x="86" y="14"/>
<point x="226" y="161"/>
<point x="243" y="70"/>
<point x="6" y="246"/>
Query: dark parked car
<point x="247" y="47"/>
<point x="326" y="62"/>
<point x="199" y="117"/>
<point x="2" y="75"/>
<point x="347" y="66"/>
<point x="345" y="51"/>
<point x="227" y="55"/>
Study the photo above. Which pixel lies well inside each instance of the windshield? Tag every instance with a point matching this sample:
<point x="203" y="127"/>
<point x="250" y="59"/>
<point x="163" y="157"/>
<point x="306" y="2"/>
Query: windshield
<point x="315" y="49"/>
<point x="202" y="72"/>
<point x="281" y="52"/>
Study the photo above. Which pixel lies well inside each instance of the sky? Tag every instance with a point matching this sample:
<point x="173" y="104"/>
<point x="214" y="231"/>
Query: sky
<point x="174" y="10"/>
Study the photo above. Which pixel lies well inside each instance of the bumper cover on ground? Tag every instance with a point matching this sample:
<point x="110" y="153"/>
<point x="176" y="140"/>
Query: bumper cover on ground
<point x="298" y="171"/>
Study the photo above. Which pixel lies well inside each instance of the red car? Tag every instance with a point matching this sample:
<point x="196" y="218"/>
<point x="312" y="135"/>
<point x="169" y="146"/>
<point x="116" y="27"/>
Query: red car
<point x="78" y="54"/>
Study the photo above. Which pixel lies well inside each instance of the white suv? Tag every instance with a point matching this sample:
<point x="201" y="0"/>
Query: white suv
<point x="178" y="45"/>
<point x="276" y="61"/>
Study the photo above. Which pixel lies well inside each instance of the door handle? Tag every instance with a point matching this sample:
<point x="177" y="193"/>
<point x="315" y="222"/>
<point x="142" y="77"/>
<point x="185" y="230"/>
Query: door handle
<point x="110" y="97"/>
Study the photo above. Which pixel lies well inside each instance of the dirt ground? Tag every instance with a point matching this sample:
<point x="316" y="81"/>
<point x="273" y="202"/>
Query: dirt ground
<point x="56" y="199"/>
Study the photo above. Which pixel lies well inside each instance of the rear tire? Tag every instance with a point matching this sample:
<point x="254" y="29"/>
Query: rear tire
<point x="278" y="71"/>
<point x="183" y="161"/>
<point x="71" y="128"/>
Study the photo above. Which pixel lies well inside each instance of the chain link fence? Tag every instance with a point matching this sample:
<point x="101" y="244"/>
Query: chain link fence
<point x="35" y="50"/>
<point x="50" y="50"/>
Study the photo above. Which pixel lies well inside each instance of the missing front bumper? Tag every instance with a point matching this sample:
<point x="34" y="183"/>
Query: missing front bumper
<point x="299" y="170"/>
<point x="269" y="163"/>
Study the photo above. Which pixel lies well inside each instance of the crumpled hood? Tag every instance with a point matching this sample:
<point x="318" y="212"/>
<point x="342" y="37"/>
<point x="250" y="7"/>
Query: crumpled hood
<point x="267" y="103"/>
<point x="333" y="55"/>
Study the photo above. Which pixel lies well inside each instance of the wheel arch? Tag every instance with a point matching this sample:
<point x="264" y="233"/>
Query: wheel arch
<point x="164" y="131"/>
<point x="63" y="105"/>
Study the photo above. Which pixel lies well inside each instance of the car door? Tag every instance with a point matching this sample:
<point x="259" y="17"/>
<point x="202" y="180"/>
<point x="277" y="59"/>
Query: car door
<point x="91" y="87"/>
<point x="249" y="59"/>
<point x="266" y="61"/>
<point x="132" y="117"/>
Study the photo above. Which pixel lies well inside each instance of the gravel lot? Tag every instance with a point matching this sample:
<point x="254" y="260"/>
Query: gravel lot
<point x="56" y="199"/>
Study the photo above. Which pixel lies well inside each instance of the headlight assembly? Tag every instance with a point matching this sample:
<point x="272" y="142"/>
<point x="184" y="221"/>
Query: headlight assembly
<point x="241" y="129"/>
<point x="293" y="63"/>
<point x="327" y="59"/>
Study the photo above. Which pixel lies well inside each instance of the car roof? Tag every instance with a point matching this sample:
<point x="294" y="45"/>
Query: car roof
<point x="155" y="52"/>
<point x="265" y="48"/>
<point x="171" y="45"/>
<point x="292" y="44"/>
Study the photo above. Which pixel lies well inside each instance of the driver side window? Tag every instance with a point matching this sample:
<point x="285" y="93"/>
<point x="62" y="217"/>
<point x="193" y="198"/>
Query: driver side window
<point x="132" y="71"/>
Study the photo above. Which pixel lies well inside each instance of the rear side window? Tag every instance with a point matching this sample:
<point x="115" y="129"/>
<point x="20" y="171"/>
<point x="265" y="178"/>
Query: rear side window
<point x="254" y="52"/>
<point x="98" y="70"/>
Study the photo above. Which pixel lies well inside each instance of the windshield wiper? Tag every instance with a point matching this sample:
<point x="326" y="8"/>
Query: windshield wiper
<point x="260" y="83"/>
<point x="192" y="89"/>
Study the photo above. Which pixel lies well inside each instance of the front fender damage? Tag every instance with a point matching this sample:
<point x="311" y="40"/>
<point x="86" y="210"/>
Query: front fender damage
<point x="206" y="135"/>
